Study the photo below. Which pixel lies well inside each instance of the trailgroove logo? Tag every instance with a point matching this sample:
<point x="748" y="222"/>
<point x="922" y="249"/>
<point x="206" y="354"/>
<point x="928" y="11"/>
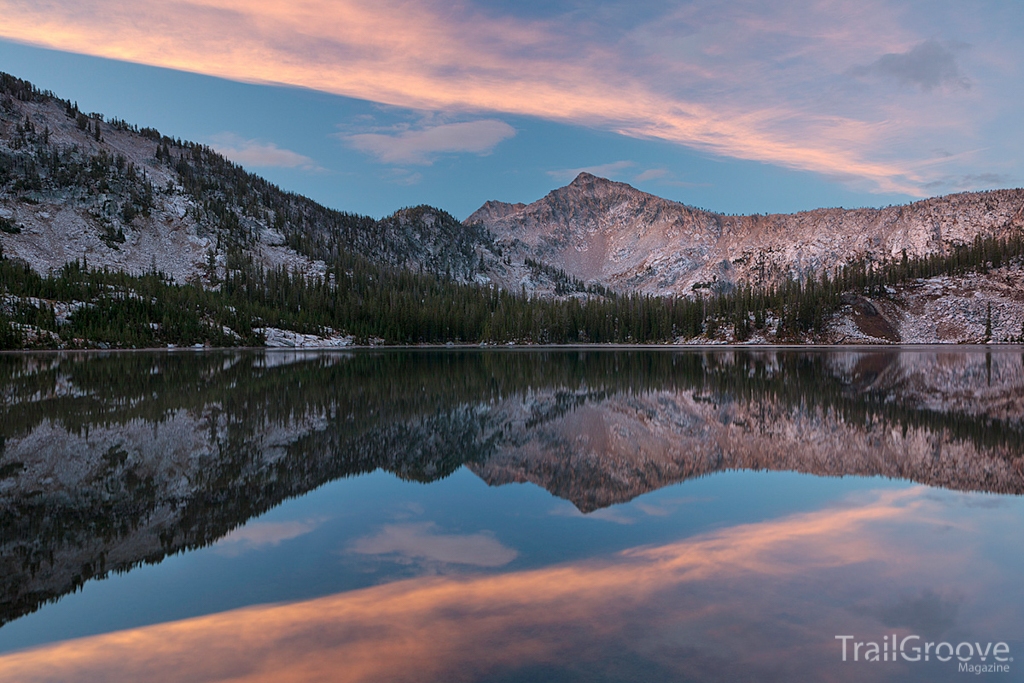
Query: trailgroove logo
<point x="975" y="658"/>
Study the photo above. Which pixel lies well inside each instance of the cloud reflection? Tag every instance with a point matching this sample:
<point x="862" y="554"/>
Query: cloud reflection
<point x="927" y="613"/>
<point x="422" y="542"/>
<point x="257" y="535"/>
<point x="760" y="600"/>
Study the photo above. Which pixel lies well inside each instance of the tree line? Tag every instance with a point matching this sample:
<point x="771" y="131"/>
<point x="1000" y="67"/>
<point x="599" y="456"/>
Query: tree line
<point x="377" y="288"/>
<point x="377" y="304"/>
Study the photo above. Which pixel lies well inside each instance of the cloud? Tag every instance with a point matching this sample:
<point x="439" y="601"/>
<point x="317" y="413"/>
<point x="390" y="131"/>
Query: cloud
<point x="652" y="174"/>
<point x="615" y="515"/>
<point x="927" y="613"/>
<point x="420" y="146"/>
<point x="973" y="181"/>
<point x="258" y="154"/>
<point x="403" y="176"/>
<point x="422" y="542"/>
<point x="610" y="170"/>
<point x="257" y="535"/>
<point x="767" y="82"/>
<point x="928" y="65"/>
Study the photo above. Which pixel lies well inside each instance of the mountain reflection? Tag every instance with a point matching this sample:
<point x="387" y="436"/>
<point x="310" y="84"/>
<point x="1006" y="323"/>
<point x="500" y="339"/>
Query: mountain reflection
<point x="743" y="603"/>
<point x="111" y="461"/>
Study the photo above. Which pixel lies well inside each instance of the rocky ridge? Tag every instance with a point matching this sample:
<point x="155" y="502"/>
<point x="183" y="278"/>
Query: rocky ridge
<point x="80" y="186"/>
<point x="610" y="233"/>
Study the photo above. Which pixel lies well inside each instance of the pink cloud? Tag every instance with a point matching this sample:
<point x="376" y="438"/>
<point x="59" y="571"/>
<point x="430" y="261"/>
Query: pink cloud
<point x="652" y="174"/>
<point x="762" y="81"/>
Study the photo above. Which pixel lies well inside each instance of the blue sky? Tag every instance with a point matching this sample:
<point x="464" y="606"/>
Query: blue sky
<point x="741" y="107"/>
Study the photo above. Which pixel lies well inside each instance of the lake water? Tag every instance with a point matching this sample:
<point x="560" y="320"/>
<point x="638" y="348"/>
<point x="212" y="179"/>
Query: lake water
<point x="512" y="515"/>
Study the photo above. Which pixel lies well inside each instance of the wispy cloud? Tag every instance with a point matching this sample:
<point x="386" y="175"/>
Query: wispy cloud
<point x="423" y="542"/>
<point x="421" y="145"/>
<point x="403" y="176"/>
<point x="762" y="81"/>
<point x="257" y="535"/>
<point x="614" y="169"/>
<point x="652" y="174"/>
<point x="971" y="182"/>
<point x="257" y="154"/>
<point x="615" y="515"/>
<point x="928" y="65"/>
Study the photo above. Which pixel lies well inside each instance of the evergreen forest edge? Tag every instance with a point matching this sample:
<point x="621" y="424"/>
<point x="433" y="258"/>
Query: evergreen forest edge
<point x="374" y="302"/>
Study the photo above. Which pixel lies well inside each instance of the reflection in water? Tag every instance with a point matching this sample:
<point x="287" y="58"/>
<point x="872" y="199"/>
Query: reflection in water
<point x="744" y="603"/>
<point x="259" y="535"/>
<point x="420" y="541"/>
<point x="111" y="461"/>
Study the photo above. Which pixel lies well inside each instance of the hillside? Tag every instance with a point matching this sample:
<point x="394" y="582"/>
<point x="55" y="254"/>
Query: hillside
<point x="76" y="185"/>
<point x="597" y="232"/>
<point x="607" y="232"/>
<point x="113" y="235"/>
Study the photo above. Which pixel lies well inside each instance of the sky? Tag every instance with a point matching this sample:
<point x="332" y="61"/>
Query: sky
<point x="738" y="107"/>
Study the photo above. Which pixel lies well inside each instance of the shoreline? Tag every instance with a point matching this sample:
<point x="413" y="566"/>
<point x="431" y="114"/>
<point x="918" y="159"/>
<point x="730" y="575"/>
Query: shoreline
<point x="951" y="347"/>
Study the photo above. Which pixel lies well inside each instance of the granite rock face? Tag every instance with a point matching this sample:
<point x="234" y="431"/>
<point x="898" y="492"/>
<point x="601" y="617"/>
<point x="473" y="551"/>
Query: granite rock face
<point x="79" y="186"/>
<point x="606" y="232"/>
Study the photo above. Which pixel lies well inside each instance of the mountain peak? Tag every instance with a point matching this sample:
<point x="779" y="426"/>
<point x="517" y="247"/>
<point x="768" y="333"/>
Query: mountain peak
<point x="585" y="179"/>
<point x="589" y="185"/>
<point x="600" y="230"/>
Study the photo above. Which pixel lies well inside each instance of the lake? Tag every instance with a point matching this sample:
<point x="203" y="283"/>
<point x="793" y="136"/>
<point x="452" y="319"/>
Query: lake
<point x="512" y="515"/>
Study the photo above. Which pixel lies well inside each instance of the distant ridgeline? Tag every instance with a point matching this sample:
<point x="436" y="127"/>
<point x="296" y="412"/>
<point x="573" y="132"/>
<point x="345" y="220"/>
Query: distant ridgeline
<point x="413" y="277"/>
<point x="108" y="461"/>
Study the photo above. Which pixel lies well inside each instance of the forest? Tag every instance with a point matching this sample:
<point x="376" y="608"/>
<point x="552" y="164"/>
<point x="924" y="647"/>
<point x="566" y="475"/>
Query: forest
<point x="81" y="306"/>
<point x="379" y="288"/>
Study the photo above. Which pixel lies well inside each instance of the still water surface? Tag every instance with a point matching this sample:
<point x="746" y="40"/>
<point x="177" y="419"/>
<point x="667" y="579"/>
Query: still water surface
<point x="612" y="515"/>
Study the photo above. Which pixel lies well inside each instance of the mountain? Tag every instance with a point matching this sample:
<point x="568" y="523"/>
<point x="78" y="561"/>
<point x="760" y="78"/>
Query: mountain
<point x="596" y="232"/>
<point x="606" y="232"/>
<point x="76" y="185"/>
<point x="79" y="186"/>
<point x="267" y="266"/>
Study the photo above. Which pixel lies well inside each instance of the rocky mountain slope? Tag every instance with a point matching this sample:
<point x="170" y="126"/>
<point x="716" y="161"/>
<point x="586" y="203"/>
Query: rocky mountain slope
<point x="76" y="185"/>
<point x="967" y="309"/>
<point x="606" y="232"/>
